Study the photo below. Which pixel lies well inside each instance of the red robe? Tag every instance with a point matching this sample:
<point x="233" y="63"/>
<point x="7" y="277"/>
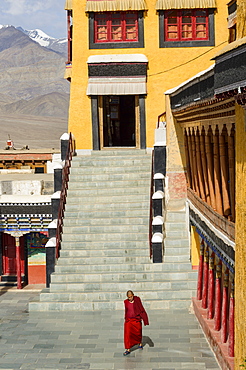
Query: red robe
<point x="133" y="325"/>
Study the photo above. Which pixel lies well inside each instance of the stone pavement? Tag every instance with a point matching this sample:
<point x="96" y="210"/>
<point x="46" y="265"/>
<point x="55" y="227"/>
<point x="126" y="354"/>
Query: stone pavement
<point x="94" y="340"/>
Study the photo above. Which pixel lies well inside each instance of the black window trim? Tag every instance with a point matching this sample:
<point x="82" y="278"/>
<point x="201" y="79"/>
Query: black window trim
<point x="117" y="45"/>
<point x="186" y="44"/>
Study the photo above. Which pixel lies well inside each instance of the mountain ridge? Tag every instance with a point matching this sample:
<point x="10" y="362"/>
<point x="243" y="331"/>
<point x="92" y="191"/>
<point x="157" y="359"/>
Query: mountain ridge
<point x="31" y="72"/>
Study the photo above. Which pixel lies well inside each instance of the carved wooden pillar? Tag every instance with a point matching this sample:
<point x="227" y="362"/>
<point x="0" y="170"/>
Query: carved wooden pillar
<point x="188" y="169"/>
<point x="231" y="322"/>
<point x="204" y="167"/>
<point x="224" y="307"/>
<point x="224" y="174"/>
<point x="210" y="314"/>
<point x="189" y="147"/>
<point x="231" y="155"/>
<point x="217" y="314"/>
<point x="205" y="279"/>
<point x="194" y="160"/>
<point x="210" y="168"/>
<point x="217" y="177"/>
<point x="200" y="272"/>
<point x="199" y="165"/>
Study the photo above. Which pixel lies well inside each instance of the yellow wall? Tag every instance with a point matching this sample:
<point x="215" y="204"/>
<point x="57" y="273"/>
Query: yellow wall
<point x="240" y="275"/>
<point x="195" y="247"/>
<point x="160" y="77"/>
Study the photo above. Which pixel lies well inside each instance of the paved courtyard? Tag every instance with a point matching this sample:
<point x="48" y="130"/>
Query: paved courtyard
<point x="94" y="340"/>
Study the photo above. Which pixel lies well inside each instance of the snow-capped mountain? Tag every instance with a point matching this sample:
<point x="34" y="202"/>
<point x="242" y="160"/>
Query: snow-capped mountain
<point x="59" y="45"/>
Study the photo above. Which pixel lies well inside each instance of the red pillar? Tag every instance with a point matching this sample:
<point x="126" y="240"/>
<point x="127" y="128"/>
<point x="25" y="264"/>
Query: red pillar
<point x="224" y="308"/>
<point x="211" y="287"/>
<point x="205" y="280"/>
<point x="231" y="323"/>
<point x="200" y="272"/>
<point x="18" y="262"/>
<point x="217" y="314"/>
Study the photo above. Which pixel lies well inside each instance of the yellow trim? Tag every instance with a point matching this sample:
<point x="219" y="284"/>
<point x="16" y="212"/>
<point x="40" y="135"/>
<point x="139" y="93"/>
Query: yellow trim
<point x="185" y="4"/>
<point x="114" y="5"/>
<point x="68" y="5"/>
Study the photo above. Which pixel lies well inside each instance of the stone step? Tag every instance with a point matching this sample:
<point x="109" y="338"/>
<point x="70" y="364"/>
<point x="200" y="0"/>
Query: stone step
<point x="80" y="207"/>
<point x="107" y="248"/>
<point x="118" y="152"/>
<point x="68" y="245"/>
<point x="43" y="306"/>
<point x="119" y="277"/>
<point x="175" y="216"/>
<point x="177" y="234"/>
<point x="184" y="242"/>
<point x="95" y="192"/>
<point x="178" y="258"/>
<point x="122" y="286"/>
<point x="103" y="252"/>
<point x="104" y="237"/>
<point x="109" y="199"/>
<point x="119" y="213"/>
<point x="107" y="260"/>
<point x="64" y="296"/>
<point x="110" y="170"/>
<point x="108" y="229"/>
<point x="110" y="177"/>
<point x="142" y="162"/>
<point x="175" y="226"/>
<point x="71" y="221"/>
<point x="110" y="184"/>
<point x="126" y="267"/>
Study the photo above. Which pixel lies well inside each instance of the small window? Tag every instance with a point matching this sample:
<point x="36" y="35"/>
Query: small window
<point x="116" y="27"/>
<point x="186" y="27"/>
<point x="182" y="25"/>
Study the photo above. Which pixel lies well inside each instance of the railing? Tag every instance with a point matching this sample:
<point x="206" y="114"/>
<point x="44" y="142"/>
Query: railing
<point x="151" y="204"/>
<point x="63" y="197"/>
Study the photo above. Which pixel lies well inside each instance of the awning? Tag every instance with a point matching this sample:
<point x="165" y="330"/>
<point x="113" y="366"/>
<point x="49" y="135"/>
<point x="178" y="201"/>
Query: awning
<point x="185" y="4"/>
<point x="68" y="5"/>
<point x="114" y="5"/>
<point x="116" y="86"/>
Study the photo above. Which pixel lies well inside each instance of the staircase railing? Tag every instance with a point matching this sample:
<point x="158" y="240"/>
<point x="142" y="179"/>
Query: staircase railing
<point x="63" y="197"/>
<point x="151" y="203"/>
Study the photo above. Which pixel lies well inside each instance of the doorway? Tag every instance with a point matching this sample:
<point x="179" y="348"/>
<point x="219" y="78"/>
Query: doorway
<point x="9" y="255"/>
<point x="119" y="123"/>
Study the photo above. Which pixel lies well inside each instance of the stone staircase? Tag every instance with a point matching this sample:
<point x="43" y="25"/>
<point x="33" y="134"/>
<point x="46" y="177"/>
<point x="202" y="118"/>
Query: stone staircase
<point x="105" y="249"/>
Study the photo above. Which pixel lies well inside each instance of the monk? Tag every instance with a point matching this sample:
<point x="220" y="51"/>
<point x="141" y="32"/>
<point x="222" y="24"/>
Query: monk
<point x="134" y="314"/>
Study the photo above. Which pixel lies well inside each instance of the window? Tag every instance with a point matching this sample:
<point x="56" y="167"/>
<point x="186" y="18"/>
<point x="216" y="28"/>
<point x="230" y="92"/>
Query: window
<point x="186" y="27"/>
<point x="116" y="30"/>
<point x="181" y="25"/>
<point x="116" y="27"/>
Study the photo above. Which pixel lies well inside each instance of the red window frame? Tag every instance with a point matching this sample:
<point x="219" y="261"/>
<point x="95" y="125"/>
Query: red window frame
<point x="178" y="21"/>
<point x="122" y="25"/>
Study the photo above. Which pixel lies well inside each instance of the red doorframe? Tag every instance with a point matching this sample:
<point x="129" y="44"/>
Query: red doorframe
<point x="9" y="255"/>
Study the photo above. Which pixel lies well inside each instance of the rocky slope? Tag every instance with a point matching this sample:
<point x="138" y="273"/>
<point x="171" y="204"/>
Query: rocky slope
<point x="31" y="79"/>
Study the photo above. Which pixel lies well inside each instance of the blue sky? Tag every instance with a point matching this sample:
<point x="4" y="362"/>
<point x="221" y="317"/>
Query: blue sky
<point x="49" y="16"/>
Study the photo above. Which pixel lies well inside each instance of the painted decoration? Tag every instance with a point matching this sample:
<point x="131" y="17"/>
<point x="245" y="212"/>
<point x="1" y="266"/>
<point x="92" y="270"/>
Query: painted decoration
<point x="36" y="248"/>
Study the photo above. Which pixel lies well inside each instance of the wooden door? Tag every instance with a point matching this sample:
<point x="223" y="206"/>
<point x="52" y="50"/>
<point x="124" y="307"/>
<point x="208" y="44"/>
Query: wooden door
<point x="9" y="255"/>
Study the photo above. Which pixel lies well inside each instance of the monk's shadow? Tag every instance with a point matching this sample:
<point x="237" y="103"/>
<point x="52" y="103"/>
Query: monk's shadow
<point x="145" y="340"/>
